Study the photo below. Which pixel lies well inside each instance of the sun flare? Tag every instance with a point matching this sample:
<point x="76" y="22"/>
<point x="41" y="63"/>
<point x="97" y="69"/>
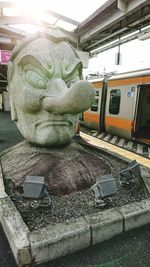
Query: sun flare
<point x="32" y="8"/>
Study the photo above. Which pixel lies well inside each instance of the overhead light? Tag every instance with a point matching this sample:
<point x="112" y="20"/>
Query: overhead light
<point x="48" y="18"/>
<point x="7" y="11"/>
<point x="65" y="25"/>
<point x="29" y="28"/>
<point x="144" y="36"/>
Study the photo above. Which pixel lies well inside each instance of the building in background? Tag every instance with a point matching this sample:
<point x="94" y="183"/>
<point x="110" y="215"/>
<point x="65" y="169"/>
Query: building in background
<point x="4" y="96"/>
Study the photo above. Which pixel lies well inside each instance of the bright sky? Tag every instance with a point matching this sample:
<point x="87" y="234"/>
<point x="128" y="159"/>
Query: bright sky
<point x="75" y="9"/>
<point x="134" y="55"/>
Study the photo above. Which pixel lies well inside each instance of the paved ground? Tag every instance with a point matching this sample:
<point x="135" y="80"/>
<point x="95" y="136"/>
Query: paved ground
<point x="128" y="250"/>
<point x="131" y="249"/>
<point x="9" y="134"/>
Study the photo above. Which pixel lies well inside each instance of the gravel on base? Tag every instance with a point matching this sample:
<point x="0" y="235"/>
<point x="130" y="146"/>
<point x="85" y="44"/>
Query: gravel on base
<point x="64" y="208"/>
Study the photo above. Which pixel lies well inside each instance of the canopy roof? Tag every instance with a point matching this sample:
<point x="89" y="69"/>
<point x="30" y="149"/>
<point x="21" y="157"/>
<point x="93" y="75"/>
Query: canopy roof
<point x="92" y="27"/>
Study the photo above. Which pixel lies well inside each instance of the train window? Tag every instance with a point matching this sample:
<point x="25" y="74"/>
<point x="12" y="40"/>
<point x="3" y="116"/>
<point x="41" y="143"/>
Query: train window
<point x="94" y="106"/>
<point x="114" y="103"/>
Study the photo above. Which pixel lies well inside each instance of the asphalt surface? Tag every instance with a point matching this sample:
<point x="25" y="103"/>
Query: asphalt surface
<point x="9" y="134"/>
<point x="131" y="249"/>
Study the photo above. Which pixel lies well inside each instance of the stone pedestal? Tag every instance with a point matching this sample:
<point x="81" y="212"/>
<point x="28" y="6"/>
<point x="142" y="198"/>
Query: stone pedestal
<point x="66" y="169"/>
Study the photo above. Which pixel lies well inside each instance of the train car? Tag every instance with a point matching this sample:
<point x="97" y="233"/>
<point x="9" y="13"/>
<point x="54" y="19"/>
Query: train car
<point x="121" y="106"/>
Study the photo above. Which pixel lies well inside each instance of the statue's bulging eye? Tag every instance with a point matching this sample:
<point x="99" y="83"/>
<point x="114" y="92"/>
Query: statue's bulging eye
<point x="35" y="79"/>
<point x="41" y="84"/>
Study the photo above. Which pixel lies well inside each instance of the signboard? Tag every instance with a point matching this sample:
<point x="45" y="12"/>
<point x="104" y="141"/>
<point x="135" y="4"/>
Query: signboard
<point x="4" y="56"/>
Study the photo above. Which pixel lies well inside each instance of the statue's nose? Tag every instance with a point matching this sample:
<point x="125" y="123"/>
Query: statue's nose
<point x="72" y="101"/>
<point x="56" y="91"/>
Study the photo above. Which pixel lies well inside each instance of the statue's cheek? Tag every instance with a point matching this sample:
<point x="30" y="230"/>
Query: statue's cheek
<point x="29" y="100"/>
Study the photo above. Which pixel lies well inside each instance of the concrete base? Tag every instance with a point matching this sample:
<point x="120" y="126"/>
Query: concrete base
<point x="55" y="241"/>
<point x="52" y="242"/>
<point x="15" y="230"/>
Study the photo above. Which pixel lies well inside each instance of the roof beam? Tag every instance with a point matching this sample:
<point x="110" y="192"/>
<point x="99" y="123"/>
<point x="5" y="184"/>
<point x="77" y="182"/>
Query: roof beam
<point x="96" y="15"/>
<point x="64" y="18"/>
<point x="107" y="18"/>
<point x="117" y="33"/>
<point x="122" y="5"/>
<point x="101" y="40"/>
<point x="100" y="25"/>
<point x="117" y="42"/>
<point x="17" y="20"/>
<point x="11" y="32"/>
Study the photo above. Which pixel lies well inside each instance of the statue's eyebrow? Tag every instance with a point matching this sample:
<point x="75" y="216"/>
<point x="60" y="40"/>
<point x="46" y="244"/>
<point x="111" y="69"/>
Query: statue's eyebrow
<point x="72" y="68"/>
<point x="32" y="60"/>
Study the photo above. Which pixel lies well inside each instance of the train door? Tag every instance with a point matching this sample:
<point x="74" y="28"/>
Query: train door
<point x="142" y="118"/>
<point x="119" y="108"/>
<point x="103" y="106"/>
<point x="91" y="117"/>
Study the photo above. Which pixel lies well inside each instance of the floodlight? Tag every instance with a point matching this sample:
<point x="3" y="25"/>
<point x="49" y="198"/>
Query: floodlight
<point x="105" y="186"/>
<point x="132" y="174"/>
<point x="34" y="187"/>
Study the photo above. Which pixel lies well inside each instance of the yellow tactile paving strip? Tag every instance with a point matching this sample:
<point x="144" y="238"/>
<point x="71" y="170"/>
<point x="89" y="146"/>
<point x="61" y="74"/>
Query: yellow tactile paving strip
<point x="122" y="152"/>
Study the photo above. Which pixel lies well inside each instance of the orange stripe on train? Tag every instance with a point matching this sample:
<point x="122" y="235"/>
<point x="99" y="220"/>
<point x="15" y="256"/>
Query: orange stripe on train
<point x="119" y="123"/>
<point x="91" y="117"/>
<point x="97" y="84"/>
<point x="136" y="80"/>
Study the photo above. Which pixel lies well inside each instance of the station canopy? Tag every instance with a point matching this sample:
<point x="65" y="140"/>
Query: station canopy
<point x="28" y="16"/>
<point x="92" y="26"/>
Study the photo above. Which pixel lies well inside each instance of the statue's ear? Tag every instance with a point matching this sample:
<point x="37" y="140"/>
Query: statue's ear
<point x="14" y="116"/>
<point x="10" y="72"/>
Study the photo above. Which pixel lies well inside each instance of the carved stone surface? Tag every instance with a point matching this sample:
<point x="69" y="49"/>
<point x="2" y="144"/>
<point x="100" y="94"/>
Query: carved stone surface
<point x="66" y="169"/>
<point x="46" y="90"/>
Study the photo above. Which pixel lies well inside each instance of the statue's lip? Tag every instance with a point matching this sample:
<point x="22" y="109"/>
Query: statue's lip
<point x="47" y="123"/>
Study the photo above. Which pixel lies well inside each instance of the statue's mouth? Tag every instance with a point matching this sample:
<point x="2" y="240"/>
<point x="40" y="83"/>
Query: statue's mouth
<point x="50" y="123"/>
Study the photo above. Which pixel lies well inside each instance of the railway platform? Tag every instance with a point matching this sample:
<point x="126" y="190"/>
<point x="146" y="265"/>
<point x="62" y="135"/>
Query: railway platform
<point x="115" y="149"/>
